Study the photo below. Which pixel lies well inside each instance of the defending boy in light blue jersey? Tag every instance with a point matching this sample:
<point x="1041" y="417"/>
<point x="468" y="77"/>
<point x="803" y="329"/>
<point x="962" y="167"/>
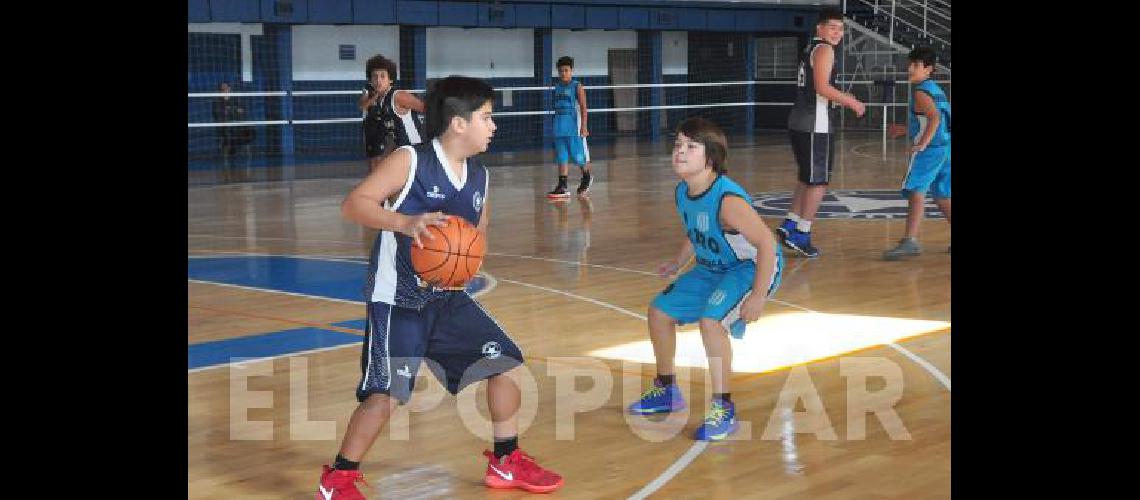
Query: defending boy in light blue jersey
<point x="736" y="254"/>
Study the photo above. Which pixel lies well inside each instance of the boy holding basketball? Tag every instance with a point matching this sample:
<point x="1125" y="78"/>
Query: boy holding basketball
<point x="736" y="256"/>
<point x="409" y="320"/>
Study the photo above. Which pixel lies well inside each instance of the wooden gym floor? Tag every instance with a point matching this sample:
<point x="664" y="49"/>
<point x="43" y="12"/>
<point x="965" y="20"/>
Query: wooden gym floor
<point x="571" y="282"/>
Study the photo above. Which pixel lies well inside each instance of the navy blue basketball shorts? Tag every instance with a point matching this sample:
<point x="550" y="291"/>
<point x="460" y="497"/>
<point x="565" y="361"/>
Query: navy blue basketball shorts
<point x="454" y="336"/>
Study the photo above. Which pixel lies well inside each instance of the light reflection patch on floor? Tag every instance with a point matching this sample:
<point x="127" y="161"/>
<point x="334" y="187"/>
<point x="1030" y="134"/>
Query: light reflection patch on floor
<point x="784" y="339"/>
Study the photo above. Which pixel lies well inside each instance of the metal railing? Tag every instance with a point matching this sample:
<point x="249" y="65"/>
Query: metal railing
<point x="878" y="7"/>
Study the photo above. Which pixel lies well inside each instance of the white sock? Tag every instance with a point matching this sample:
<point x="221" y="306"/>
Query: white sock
<point x="804" y="225"/>
<point x="793" y="217"/>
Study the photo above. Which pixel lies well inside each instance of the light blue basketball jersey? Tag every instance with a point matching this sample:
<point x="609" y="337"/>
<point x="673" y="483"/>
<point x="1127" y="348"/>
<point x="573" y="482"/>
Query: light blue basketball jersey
<point x="941" y="136"/>
<point x="716" y="249"/>
<point x="567" y="116"/>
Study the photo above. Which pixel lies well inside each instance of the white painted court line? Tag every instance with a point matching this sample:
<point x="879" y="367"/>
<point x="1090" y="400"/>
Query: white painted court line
<point x="530" y="257"/>
<point x="326" y="258"/>
<point x="286" y="355"/>
<point x="491" y="284"/>
<point x="270" y="238"/>
<point x="699" y="446"/>
<point x="914" y="357"/>
<point x="923" y="363"/>
<point x="673" y="470"/>
<point x="491" y="281"/>
<point x="579" y="297"/>
<point x="279" y="292"/>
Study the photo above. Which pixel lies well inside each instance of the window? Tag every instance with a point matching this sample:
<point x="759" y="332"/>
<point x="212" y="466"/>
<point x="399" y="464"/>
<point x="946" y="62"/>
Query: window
<point x="347" y="52"/>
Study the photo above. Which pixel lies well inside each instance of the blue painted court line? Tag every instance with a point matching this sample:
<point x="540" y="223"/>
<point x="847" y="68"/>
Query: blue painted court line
<point x="321" y="278"/>
<point x="265" y="345"/>
<point x="337" y="280"/>
<point x="307" y="276"/>
<point x="354" y="324"/>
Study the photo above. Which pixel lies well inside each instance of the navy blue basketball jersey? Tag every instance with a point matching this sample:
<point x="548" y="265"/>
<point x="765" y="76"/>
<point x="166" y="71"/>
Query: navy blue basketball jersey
<point x="567" y="114"/>
<point x="382" y="119"/>
<point x="431" y="186"/>
<point x="716" y="249"/>
<point x="372" y="120"/>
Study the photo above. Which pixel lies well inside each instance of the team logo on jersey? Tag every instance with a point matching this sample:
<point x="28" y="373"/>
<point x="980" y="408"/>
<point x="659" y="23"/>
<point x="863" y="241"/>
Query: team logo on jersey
<point x="492" y="350"/>
<point x="860" y="204"/>
<point x="477" y="201"/>
<point x="404" y="372"/>
<point x="434" y="193"/>
<point x="703" y="222"/>
<point x="717" y="297"/>
<point x="478" y="285"/>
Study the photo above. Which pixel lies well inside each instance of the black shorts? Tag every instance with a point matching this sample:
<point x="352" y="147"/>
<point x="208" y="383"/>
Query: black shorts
<point x="460" y="343"/>
<point x="815" y="156"/>
<point x="375" y="144"/>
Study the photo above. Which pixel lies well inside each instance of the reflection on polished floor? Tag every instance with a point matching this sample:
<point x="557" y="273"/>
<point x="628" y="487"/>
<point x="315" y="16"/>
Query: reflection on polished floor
<point x="844" y="382"/>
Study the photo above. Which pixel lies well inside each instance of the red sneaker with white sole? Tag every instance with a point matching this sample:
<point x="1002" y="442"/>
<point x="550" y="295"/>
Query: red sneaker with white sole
<point x="519" y="470"/>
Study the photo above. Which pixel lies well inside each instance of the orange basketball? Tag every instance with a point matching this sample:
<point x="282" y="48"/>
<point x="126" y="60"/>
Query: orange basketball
<point x="453" y="256"/>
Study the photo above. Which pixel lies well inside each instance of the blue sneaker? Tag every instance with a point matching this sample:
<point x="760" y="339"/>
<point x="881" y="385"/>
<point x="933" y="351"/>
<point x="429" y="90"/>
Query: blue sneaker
<point x="659" y="399"/>
<point x="801" y="242"/>
<point x="785" y="229"/>
<point x="719" y="423"/>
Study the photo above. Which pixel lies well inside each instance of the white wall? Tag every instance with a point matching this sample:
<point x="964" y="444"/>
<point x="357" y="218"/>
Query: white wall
<point x="245" y="30"/>
<point x="316" y="52"/>
<point x="675" y="52"/>
<point x="590" y="49"/>
<point x="470" y="52"/>
<point x="480" y="52"/>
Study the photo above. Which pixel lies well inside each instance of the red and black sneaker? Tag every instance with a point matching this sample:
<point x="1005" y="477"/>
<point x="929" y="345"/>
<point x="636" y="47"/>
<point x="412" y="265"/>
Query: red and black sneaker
<point x="559" y="192"/>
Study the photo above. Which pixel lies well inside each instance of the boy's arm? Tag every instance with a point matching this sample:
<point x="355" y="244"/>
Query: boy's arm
<point x="735" y="213"/>
<point x="485" y="214"/>
<point x="484" y="218"/>
<point x="367" y="100"/>
<point x="924" y="105"/>
<point x="686" y="253"/>
<point x="670" y="268"/>
<point x="585" y="131"/>
<point x="405" y="101"/>
<point x="822" y="60"/>
<point x="363" y="204"/>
